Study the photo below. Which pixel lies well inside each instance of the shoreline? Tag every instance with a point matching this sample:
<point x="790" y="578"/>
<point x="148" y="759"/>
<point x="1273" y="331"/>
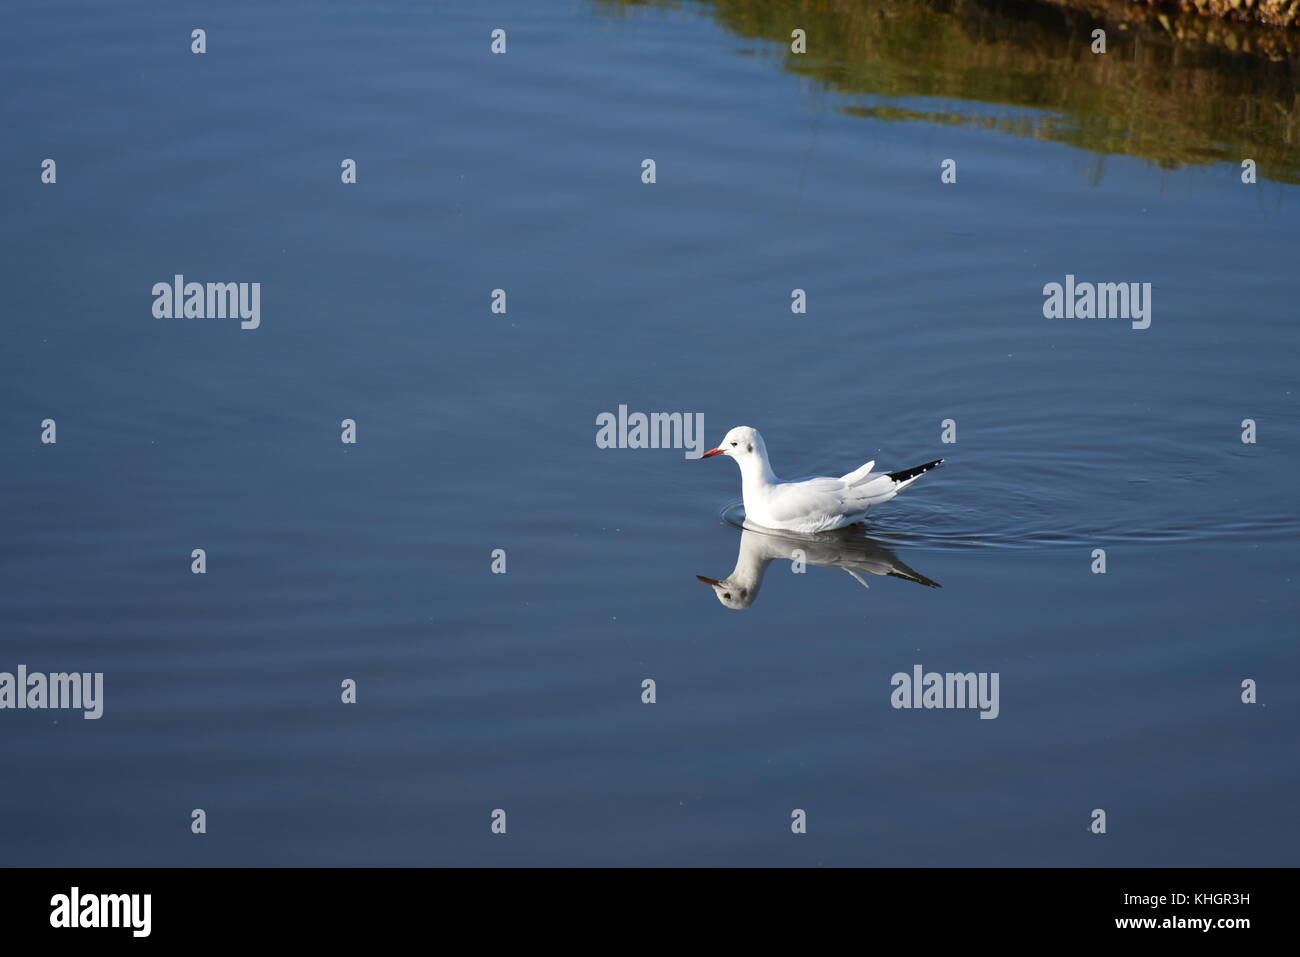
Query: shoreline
<point x="1282" y="14"/>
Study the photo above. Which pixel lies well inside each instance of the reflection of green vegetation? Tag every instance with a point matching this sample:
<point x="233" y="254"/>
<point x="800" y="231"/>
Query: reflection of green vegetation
<point x="1172" y="90"/>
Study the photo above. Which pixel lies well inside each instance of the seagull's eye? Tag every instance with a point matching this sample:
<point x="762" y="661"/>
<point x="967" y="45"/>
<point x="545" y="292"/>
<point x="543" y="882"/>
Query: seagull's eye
<point x="727" y="595"/>
<point x="733" y="445"/>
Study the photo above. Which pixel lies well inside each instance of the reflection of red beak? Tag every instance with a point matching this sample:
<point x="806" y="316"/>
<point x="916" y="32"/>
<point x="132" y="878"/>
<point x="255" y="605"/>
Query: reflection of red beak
<point x="711" y="452"/>
<point x="708" y="581"/>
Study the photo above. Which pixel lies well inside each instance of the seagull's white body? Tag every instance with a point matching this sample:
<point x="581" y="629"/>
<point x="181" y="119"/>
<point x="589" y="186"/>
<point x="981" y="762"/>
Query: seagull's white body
<point x="807" y="505"/>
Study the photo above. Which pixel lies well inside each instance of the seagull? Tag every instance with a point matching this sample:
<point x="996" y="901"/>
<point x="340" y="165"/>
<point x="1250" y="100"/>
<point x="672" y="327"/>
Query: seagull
<point x="808" y="505"/>
<point x="857" y="556"/>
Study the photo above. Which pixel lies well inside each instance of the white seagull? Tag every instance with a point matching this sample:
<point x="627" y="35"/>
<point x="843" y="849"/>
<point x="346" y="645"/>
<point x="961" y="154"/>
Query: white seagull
<point x="808" y="505"/>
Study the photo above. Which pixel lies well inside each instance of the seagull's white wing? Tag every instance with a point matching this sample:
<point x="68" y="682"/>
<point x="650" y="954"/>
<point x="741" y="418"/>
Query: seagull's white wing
<point x="858" y="474"/>
<point x="874" y="490"/>
<point x="828" y="501"/>
<point x="810" y="499"/>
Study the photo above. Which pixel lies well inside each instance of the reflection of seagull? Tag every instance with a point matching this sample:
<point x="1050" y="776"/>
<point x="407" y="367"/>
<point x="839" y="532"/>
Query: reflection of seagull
<point x="854" y="554"/>
<point x="813" y="504"/>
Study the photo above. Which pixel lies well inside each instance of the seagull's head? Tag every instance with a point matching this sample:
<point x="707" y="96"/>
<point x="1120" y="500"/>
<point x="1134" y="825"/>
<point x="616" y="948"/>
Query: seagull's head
<point x="741" y="443"/>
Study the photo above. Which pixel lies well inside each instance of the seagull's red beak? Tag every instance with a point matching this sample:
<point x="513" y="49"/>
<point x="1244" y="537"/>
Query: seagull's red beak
<point x="711" y="452"/>
<point x="708" y="581"/>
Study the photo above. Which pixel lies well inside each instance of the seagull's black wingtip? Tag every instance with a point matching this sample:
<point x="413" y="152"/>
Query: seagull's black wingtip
<point x="913" y="472"/>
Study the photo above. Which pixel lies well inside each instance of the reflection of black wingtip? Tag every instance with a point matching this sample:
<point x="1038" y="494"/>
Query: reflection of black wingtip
<point x="917" y="577"/>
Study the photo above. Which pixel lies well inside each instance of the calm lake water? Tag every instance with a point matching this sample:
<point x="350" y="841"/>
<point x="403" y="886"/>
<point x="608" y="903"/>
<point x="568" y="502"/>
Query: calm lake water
<point x="476" y="431"/>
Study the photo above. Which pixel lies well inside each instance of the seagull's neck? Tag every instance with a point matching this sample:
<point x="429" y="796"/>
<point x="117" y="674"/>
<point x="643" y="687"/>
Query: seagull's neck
<point x="755" y="473"/>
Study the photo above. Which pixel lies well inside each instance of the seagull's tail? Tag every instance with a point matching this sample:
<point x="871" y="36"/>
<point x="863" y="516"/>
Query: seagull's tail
<point x="908" y="476"/>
